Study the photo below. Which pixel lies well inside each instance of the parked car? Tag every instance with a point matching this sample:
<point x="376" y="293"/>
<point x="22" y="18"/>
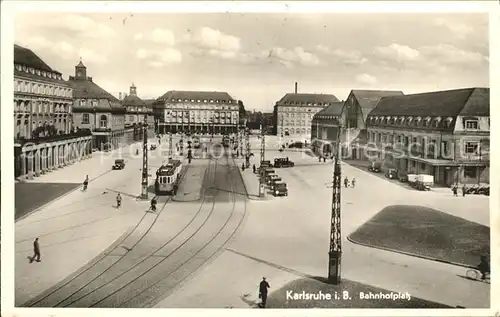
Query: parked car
<point x="271" y="177"/>
<point x="391" y="173"/>
<point x="275" y="180"/>
<point x="280" y="189"/>
<point x="421" y="181"/>
<point x="375" y="167"/>
<point x="152" y="147"/>
<point x="119" y="164"/>
<point x="403" y="178"/>
<point x="296" y="145"/>
<point x="283" y="162"/>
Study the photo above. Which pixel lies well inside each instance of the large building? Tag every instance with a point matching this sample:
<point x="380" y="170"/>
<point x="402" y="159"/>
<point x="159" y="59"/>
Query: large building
<point x="44" y="135"/>
<point x="97" y="110"/>
<point x="294" y="113"/>
<point x="325" y="125"/>
<point x="445" y="134"/>
<point x="136" y="109"/>
<point x="196" y="112"/>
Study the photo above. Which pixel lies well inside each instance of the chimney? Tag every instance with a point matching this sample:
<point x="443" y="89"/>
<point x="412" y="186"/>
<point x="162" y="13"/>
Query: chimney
<point x="296" y="87"/>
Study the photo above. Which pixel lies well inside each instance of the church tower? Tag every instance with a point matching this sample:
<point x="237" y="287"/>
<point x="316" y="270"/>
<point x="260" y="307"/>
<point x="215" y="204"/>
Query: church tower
<point x="133" y="90"/>
<point x="80" y="71"/>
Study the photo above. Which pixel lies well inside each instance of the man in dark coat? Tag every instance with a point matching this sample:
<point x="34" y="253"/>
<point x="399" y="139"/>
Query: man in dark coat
<point x="454" y="189"/>
<point x="36" y="250"/>
<point x="464" y="190"/>
<point x="263" y="286"/>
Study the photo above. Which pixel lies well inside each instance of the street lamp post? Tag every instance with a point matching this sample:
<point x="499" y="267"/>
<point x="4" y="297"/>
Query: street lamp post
<point x="170" y="146"/>
<point x="335" y="251"/>
<point x="144" y="182"/>
<point x="247" y="139"/>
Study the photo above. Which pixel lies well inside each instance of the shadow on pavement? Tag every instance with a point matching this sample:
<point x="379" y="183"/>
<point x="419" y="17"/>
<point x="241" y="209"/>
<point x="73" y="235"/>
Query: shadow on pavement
<point x="39" y="194"/>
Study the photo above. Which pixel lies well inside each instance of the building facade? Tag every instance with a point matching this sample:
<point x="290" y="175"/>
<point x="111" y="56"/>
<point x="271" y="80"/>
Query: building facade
<point x="325" y="127"/>
<point x="445" y="134"/>
<point x="196" y="112"/>
<point x="44" y="135"/>
<point x="294" y="113"/>
<point x="98" y="111"/>
<point x="136" y="109"/>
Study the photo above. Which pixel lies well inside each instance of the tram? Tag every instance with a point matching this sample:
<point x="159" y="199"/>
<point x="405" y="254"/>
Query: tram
<point x="168" y="178"/>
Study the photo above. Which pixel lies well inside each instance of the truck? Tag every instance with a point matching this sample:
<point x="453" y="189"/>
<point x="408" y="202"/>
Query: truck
<point x="421" y="181"/>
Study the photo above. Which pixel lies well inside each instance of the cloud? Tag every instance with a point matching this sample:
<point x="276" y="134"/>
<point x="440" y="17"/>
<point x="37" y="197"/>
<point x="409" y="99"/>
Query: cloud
<point x="396" y="52"/>
<point x="160" y="58"/>
<point x="294" y="56"/>
<point x="366" y="79"/>
<point x="438" y="57"/>
<point x="63" y="50"/>
<point x="215" y="40"/>
<point x="161" y="36"/>
<point x="344" y="57"/>
<point x="82" y="26"/>
<point x="459" y="30"/>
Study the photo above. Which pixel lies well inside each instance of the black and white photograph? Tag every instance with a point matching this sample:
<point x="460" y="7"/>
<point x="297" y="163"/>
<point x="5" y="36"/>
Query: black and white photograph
<point x="248" y="156"/>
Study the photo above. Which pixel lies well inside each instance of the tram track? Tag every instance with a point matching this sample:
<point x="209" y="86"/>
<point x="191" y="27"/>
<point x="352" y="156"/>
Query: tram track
<point x="69" y="302"/>
<point x="139" y="285"/>
<point x="40" y="299"/>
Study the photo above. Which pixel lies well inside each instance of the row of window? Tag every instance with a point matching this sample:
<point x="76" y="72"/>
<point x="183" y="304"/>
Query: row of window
<point x="422" y="142"/>
<point x="40" y="123"/>
<point x="40" y="108"/>
<point x="282" y="109"/>
<point x="42" y="89"/>
<point x="309" y="103"/>
<point x="202" y="107"/>
<point x="296" y="122"/>
<point x="281" y="116"/>
<point x="219" y="101"/>
<point x="137" y="109"/>
<point x="409" y="121"/>
<point x="198" y="120"/>
<point x="31" y="70"/>
<point x="202" y="114"/>
<point x="295" y="130"/>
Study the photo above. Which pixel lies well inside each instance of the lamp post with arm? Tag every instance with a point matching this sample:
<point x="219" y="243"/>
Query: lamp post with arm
<point x="335" y="250"/>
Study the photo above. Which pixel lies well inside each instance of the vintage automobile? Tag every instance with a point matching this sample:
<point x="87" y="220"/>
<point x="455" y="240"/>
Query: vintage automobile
<point x="421" y="181"/>
<point x="375" y="167"/>
<point x="275" y="180"/>
<point x="283" y="162"/>
<point x="271" y="177"/>
<point x="280" y="189"/>
<point x="403" y="178"/>
<point x="119" y="164"/>
<point x="296" y="145"/>
<point x="152" y="147"/>
<point x="391" y="173"/>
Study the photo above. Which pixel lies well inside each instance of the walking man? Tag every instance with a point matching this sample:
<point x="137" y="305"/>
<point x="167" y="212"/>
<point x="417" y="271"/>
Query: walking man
<point x="36" y="251"/>
<point x="254" y="169"/>
<point x="346" y="182"/>
<point x="153" y="204"/>
<point x="85" y="183"/>
<point x="353" y="182"/>
<point x="455" y="191"/>
<point x="118" y="200"/>
<point x="263" y="286"/>
<point x="464" y="190"/>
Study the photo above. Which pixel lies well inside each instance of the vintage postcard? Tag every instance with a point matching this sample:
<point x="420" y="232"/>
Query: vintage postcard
<point x="249" y="155"/>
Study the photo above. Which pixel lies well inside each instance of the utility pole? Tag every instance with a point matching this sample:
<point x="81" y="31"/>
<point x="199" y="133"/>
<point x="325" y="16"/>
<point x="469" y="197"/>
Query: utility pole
<point x="241" y="141"/>
<point x="247" y="139"/>
<point x="262" y="158"/>
<point x="181" y="144"/>
<point x="170" y="146"/>
<point x="335" y="252"/>
<point x="144" y="183"/>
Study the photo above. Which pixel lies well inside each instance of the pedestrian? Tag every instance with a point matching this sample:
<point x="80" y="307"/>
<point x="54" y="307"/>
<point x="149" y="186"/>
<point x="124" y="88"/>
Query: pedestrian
<point x="118" y="200"/>
<point x="454" y="189"/>
<point x="346" y="182"/>
<point x="242" y="166"/>
<point x="464" y="190"/>
<point x="36" y="251"/>
<point x="263" y="286"/>
<point x="153" y="204"/>
<point x="324" y="159"/>
<point x="254" y="169"/>
<point x="353" y="182"/>
<point x="86" y="183"/>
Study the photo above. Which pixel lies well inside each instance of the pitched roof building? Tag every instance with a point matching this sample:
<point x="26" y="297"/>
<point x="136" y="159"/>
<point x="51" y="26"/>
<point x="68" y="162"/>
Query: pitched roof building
<point x="136" y="108"/>
<point x="196" y="112"/>
<point x="442" y="133"/>
<point x="294" y="112"/>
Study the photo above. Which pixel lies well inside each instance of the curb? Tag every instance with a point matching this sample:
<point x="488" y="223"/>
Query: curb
<point x="410" y="254"/>
<point x="57" y="198"/>
<point x="198" y="196"/>
<point x="68" y="278"/>
<point x="242" y="179"/>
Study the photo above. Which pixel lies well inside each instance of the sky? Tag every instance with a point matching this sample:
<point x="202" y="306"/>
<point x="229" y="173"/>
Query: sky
<point x="257" y="57"/>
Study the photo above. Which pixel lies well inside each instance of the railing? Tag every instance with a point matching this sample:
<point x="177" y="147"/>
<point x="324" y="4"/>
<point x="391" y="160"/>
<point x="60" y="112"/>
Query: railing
<point x="52" y="138"/>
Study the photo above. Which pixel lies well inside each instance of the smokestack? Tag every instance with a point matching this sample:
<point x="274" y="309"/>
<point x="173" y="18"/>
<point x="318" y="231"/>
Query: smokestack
<point x="296" y="87"/>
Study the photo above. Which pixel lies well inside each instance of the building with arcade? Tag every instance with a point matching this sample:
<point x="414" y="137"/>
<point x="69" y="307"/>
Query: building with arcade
<point x="45" y="137"/>
<point x="196" y="112"/>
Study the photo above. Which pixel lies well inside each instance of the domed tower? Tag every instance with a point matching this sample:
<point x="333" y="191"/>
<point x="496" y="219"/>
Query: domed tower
<point x="133" y="90"/>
